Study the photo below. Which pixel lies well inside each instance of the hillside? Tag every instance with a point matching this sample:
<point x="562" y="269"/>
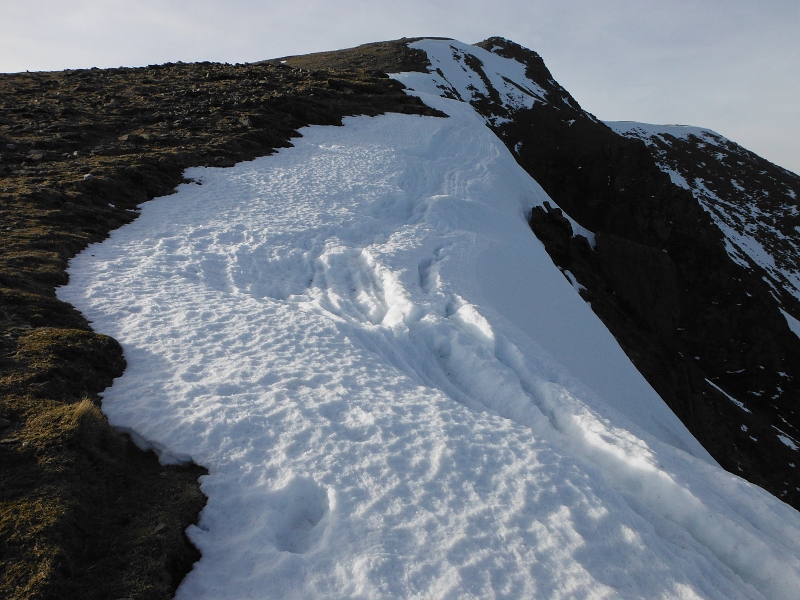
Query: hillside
<point x="699" y="323"/>
<point x="84" y="513"/>
<point x="705" y="329"/>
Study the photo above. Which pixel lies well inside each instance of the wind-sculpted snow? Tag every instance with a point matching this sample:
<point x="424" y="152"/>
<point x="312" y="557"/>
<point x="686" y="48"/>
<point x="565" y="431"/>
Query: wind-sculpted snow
<point x="398" y="395"/>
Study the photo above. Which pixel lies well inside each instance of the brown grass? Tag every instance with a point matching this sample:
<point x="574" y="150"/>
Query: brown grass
<point x="84" y="513"/>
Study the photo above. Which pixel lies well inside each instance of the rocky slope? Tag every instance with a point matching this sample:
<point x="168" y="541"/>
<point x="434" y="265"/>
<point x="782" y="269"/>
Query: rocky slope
<point x="703" y="324"/>
<point x="81" y="149"/>
<point x="753" y="202"/>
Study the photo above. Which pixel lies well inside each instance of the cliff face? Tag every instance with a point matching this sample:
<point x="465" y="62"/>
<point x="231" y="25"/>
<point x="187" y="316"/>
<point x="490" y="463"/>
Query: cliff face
<point x="753" y="202"/>
<point x="702" y="322"/>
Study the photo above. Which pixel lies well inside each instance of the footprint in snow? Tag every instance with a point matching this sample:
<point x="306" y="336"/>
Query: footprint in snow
<point x="300" y="510"/>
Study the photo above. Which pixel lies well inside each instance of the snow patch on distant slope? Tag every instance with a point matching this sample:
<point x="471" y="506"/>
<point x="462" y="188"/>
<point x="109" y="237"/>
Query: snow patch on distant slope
<point x="793" y="323"/>
<point x="471" y="74"/>
<point x="645" y="131"/>
<point x="728" y="396"/>
<point x="748" y="224"/>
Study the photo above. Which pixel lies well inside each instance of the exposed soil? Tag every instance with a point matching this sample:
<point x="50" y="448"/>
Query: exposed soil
<point x="83" y="512"/>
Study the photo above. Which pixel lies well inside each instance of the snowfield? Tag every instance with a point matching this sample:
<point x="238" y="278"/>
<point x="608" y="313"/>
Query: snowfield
<point x="398" y="395"/>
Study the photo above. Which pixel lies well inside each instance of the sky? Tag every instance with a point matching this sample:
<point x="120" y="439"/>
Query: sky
<point x="729" y="65"/>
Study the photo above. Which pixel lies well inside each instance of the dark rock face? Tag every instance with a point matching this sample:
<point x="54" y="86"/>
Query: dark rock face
<point x="705" y="331"/>
<point x="754" y="202"/>
<point x="629" y="268"/>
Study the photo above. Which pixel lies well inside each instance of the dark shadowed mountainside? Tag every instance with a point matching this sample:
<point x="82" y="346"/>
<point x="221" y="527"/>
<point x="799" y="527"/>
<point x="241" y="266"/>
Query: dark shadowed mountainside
<point x="704" y="330"/>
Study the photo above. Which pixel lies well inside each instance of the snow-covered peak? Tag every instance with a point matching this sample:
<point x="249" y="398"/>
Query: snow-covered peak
<point x="496" y="85"/>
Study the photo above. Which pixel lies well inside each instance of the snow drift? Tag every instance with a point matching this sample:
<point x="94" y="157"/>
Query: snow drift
<point x="395" y="391"/>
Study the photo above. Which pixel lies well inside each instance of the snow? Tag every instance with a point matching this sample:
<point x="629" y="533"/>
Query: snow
<point x="453" y="74"/>
<point x="677" y="178"/>
<point x="787" y="439"/>
<point x="793" y="323"/>
<point x="738" y="403"/>
<point x="578" y="287"/>
<point x="580" y="230"/>
<point x="739" y="218"/>
<point x="645" y="131"/>
<point x="398" y="395"/>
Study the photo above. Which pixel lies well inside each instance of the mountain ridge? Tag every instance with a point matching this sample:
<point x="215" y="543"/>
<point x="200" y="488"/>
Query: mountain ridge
<point x="693" y="320"/>
<point x="71" y="141"/>
<point x="643" y="307"/>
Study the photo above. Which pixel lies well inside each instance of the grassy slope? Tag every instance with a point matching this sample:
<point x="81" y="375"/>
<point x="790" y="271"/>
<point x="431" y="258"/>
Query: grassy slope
<point x="83" y="513"/>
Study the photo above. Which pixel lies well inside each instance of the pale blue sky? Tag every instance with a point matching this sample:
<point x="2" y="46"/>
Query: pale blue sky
<point x="730" y="65"/>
